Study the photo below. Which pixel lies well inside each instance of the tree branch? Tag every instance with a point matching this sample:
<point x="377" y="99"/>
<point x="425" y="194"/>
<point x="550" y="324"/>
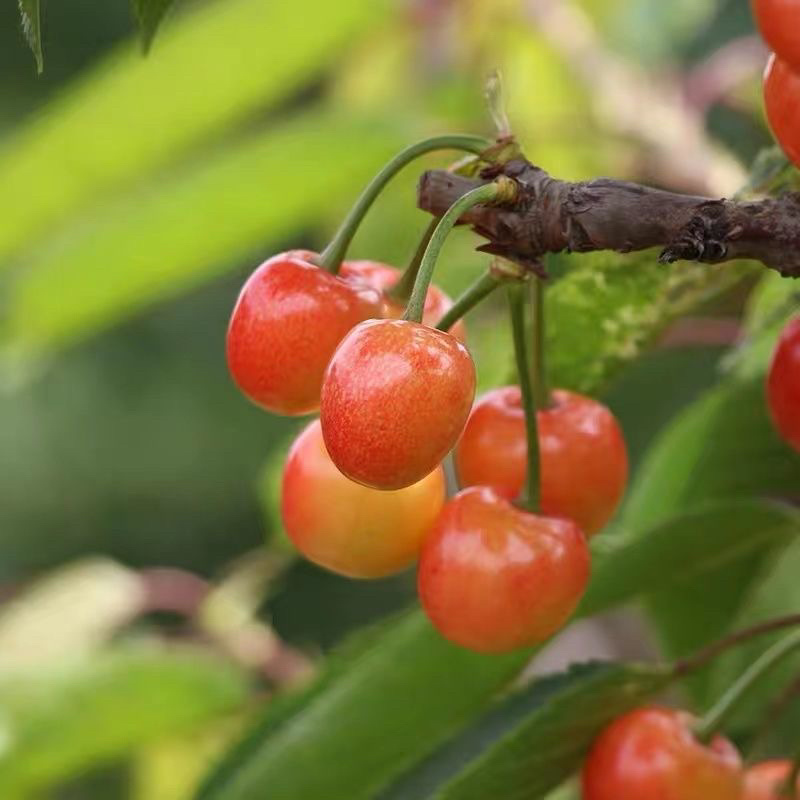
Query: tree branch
<point x="552" y="215"/>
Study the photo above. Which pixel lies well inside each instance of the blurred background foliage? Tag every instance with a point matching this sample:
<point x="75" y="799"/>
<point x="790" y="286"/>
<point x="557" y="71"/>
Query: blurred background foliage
<point x="137" y="488"/>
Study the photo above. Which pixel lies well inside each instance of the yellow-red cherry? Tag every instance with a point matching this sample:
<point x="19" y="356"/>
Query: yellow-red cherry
<point x="767" y="780"/>
<point x="395" y="399"/>
<point x="652" y="754"/>
<point x="286" y="324"/>
<point x="783" y="384"/>
<point x="779" y="22"/>
<point x="384" y="277"/>
<point x="583" y="457"/>
<point x="349" y="528"/>
<point x="494" y="578"/>
<point x="782" y="101"/>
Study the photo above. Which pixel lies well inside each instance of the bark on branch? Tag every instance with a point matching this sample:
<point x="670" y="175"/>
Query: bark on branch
<point x="552" y="215"/>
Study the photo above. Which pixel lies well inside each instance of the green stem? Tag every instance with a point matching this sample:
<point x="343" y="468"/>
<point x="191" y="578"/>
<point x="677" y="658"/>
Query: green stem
<point x="715" y="719"/>
<point x="479" y="290"/>
<point x="486" y="193"/>
<point x="401" y="291"/>
<point x="517" y="304"/>
<point x="332" y="256"/>
<point x="541" y="391"/>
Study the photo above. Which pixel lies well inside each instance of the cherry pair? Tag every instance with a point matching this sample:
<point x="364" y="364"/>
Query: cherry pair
<point x="653" y="754"/>
<point x="779" y="21"/>
<point x="291" y="315"/>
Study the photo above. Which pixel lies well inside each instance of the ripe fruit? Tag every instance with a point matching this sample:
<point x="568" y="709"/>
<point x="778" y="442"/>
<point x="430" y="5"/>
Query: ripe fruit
<point x="288" y="320"/>
<point x="395" y="399"/>
<point x="383" y="277"/>
<point x="494" y="578"/>
<point x="782" y="99"/>
<point x="346" y="527"/>
<point x="783" y="384"/>
<point x="779" y="21"/>
<point x="766" y="780"/>
<point x="652" y="754"/>
<point x="584" y="462"/>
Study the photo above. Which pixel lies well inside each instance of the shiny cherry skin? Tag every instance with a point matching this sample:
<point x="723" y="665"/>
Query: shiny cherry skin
<point x="584" y="461"/>
<point x="286" y="324"/>
<point x="652" y="754"/>
<point x="779" y="22"/>
<point x="765" y="781"/>
<point x="493" y="578"/>
<point x="782" y="100"/>
<point x="783" y="384"/>
<point x="395" y="399"/>
<point x="383" y="277"/>
<point x="346" y="527"/>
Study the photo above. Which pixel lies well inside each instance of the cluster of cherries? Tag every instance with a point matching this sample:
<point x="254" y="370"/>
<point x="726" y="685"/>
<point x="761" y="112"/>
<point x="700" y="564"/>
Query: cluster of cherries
<point x="654" y="754"/>
<point x="779" y="21"/>
<point x="364" y="490"/>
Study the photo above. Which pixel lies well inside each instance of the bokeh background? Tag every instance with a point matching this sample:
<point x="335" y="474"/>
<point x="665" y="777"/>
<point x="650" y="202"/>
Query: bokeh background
<point x="137" y="487"/>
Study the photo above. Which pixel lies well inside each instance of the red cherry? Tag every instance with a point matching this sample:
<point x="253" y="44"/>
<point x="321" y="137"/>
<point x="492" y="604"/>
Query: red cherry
<point x="651" y="754"/>
<point x="288" y="320"/>
<point x="395" y="399"/>
<point x="779" y="21"/>
<point x="383" y="277"/>
<point x="783" y="384"/>
<point x="765" y="781"/>
<point x="346" y="527"/>
<point x="584" y="461"/>
<point x="782" y="99"/>
<point x="494" y="578"/>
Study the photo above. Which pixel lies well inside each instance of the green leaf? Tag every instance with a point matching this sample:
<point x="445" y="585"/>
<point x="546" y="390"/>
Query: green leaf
<point x="687" y="547"/>
<point x="149" y="14"/>
<point x="721" y="448"/>
<point x="359" y="722"/>
<point x="361" y="726"/>
<point x="32" y="28"/>
<point x="59" y="725"/>
<point x="132" y="116"/>
<point x="535" y="739"/>
<point x="147" y="247"/>
<point x="605" y="313"/>
<point x="774" y="593"/>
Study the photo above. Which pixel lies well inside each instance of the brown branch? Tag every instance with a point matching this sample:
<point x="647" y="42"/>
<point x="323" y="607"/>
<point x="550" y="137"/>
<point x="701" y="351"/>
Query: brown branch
<point x="551" y="216"/>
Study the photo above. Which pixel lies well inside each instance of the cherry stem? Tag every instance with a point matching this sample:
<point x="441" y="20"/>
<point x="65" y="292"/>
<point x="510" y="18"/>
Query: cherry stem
<point x="501" y="190"/>
<point x="718" y="715"/>
<point x="541" y="392"/>
<point x="401" y="291"/>
<point x="517" y="303"/>
<point x="471" y="297"/>
<point x="331" y="257"/>
<point x="709" y="653"/>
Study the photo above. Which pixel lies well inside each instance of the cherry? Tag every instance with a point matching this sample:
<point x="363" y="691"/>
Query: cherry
<point x="584" y="461"/>
<point x="765" y="781"/>
<point x="493" y="577"/>
<point x="783" y="384"/>
<point x="346" y="527"/>
<point x="288" y="320"/>
<point x="779" y="21"/>
<point x="652" y="754"/>
<point x="395" y="399"/>
<point x="383" y="277"/>
<point x="782" y="100"/>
